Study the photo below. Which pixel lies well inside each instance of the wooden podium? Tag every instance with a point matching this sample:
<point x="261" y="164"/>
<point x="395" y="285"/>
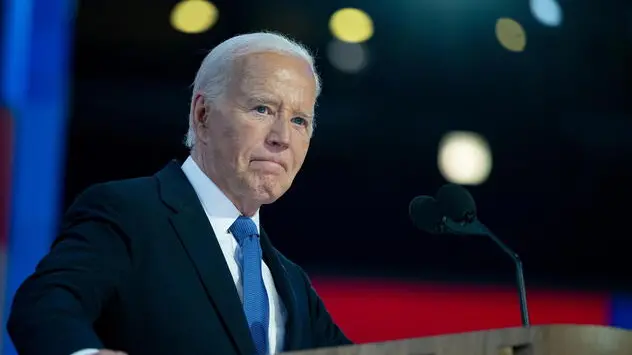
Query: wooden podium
<point x="541" y="340"/>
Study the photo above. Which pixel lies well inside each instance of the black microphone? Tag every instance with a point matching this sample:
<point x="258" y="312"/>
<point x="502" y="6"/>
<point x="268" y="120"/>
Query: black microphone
<point x="453" y="211"/>
<point x="427" y="215"/>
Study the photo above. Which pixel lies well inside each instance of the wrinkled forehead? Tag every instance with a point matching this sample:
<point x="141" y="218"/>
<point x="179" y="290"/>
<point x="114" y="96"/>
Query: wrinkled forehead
<point x="274" y="74"/>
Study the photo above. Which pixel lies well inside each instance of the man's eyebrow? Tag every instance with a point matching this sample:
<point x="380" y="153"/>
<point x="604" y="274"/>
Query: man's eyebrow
<point x="304" y="114"/>
<point x="264" y="99"/>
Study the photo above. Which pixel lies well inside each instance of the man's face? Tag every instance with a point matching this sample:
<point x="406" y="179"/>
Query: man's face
<point x="256" y="136"/>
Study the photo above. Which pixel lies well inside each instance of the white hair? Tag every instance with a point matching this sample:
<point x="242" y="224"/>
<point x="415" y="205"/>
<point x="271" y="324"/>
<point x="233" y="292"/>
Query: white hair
<point x="212" y="78"/>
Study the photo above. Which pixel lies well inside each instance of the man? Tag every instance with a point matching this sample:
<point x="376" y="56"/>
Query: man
<point x="176" y="263"/>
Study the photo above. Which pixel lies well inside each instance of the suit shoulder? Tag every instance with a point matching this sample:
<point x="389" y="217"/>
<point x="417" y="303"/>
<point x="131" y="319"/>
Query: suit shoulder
<point x="117" y="194"/>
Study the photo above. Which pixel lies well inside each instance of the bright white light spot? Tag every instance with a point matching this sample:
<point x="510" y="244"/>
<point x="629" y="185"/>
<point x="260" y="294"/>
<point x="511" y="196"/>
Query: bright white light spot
<point x="548" y="12"/>
<point x="464" y="158"/>
<point x="347" y="57"/>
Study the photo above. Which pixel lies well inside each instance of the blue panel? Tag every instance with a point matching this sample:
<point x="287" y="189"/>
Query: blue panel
<point x="621" y="315"/>
<point x="35" y="70"/>
<point x="16" y="43"/>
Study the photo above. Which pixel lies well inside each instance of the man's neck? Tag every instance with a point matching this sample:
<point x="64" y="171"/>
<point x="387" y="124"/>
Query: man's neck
<point x="244" y="206"/>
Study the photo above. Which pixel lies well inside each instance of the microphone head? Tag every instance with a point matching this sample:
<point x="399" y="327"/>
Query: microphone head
<point x="425" y="214"/>
<point x="456" y="203"/>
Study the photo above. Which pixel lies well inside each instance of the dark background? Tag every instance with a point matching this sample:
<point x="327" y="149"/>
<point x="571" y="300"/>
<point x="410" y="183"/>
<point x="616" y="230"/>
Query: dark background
<point x="558" y="118"/>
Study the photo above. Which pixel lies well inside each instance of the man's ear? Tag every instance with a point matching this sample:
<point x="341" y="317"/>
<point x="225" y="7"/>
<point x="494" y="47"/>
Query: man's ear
<point x="200" y="118"/>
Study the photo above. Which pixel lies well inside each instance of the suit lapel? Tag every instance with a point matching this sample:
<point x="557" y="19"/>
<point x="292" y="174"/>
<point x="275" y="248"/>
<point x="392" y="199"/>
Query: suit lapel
<point x="285" y="291"/>
<point x="200" y="243"/>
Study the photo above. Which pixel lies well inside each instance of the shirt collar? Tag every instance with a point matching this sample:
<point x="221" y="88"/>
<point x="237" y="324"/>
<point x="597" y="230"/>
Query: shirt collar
<point x="221" y="212"/>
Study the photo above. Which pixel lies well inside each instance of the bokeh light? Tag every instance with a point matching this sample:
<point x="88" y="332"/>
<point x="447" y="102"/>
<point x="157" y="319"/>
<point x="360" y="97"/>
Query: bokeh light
<point x="351" y="25"/>
<point x="464" y="158"/>
<point x="511" y="35"/>
<point x="547" y="12"/>
<point x="347" y="57"/>
<point x="194" y="16"/>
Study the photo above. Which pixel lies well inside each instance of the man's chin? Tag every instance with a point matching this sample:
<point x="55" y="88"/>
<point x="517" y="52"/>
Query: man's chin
<point x="268" y="194"/>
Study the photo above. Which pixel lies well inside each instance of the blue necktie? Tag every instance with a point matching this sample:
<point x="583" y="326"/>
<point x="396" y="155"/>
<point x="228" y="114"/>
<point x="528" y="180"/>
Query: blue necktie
<point x="255" y="295"/>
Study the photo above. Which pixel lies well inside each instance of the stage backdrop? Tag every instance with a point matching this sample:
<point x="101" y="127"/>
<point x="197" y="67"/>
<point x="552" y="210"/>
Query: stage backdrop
<point x="373" y="310"/>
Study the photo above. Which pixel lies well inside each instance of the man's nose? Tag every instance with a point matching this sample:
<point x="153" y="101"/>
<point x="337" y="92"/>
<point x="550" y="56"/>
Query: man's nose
<point x="280" y="132"/>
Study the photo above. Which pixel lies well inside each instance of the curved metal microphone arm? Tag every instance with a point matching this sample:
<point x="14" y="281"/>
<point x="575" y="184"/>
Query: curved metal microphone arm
<point x="475" y="227"/>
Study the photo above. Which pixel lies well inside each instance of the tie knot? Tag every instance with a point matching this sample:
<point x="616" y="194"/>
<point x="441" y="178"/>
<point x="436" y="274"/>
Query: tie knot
<point x="243" y="228"/>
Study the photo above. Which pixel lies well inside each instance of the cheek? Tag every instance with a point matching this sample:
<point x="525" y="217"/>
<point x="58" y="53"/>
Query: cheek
<point x="225" y="143"/>
<point x="231" y="137"/>
<point x="243" y="143"/>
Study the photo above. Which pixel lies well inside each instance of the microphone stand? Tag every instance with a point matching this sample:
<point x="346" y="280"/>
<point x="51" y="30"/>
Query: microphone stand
<point x="476" y="227"/>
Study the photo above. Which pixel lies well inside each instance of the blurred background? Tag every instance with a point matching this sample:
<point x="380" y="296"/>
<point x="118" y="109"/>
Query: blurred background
<point x="527" y="103"/>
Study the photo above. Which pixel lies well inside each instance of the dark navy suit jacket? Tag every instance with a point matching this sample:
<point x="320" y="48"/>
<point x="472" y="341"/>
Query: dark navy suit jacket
<point x="136" y="268"/>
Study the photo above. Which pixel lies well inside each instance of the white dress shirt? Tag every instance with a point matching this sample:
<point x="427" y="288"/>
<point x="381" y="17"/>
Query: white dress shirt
<point x="221" y="214"/>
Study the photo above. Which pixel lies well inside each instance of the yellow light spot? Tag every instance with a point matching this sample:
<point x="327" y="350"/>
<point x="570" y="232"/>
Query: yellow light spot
<point x="194" y="16"/>
<point x="511" y="35"/>
<point x="351" y="25"/>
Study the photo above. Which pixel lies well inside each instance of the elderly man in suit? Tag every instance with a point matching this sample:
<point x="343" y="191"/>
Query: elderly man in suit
<point x="176" y="263"/>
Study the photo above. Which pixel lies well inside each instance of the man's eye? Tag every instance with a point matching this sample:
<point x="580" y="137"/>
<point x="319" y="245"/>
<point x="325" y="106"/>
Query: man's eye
<point x="264" y="110"/>
<point x="299" y="121"/>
